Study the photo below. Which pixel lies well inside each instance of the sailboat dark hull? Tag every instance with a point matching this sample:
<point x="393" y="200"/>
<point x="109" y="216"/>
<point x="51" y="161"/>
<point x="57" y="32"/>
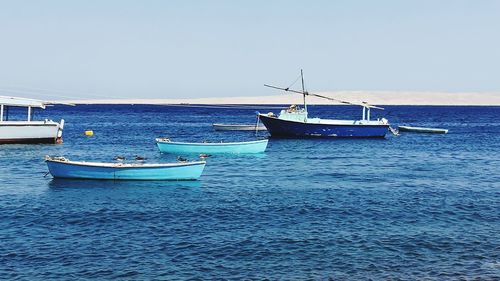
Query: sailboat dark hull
<point x="293" y="129"/>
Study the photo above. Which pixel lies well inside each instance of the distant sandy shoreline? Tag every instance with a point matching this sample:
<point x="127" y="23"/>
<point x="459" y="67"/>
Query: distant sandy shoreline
<point x="375" y="97"/>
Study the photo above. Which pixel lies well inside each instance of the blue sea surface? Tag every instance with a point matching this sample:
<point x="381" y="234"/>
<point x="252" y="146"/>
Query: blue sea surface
<point x="415" y="206"/>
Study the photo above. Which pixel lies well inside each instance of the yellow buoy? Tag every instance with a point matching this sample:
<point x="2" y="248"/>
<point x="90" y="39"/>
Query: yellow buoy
<point x="89" y="133"/>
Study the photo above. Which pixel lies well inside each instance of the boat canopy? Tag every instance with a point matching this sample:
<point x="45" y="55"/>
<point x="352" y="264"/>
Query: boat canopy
<point x="23" y="102"/>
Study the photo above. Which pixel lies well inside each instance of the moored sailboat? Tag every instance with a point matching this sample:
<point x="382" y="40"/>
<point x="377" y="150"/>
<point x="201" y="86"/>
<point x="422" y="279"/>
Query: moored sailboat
<point x="295" y="122"/>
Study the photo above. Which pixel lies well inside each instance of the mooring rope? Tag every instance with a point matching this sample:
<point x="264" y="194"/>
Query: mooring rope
<point x="394" y="131"/>
<point x="225" y="106"/>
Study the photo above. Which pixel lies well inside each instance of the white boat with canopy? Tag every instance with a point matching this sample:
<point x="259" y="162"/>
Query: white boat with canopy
<point x="28" y="130"/>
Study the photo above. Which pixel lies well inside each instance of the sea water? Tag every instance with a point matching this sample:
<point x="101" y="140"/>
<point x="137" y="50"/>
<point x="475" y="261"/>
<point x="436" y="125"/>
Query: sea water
<point x="414" y="206"/>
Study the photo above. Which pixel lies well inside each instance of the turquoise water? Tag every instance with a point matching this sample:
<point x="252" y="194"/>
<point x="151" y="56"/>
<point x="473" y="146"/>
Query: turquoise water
<point x="408" y="207"/>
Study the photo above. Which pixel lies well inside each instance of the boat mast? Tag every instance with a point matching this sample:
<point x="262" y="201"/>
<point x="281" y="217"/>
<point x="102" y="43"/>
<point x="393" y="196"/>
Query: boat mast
<point x="303" y="89"/>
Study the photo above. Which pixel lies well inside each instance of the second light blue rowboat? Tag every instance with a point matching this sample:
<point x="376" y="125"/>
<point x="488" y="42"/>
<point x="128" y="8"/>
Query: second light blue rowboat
<point x="61" y="167"/>
<point x="167" y="146"/>
<point x="238" y="127"/>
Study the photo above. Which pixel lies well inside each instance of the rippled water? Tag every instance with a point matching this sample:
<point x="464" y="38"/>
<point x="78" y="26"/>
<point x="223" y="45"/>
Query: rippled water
<point x="408" y="207"/>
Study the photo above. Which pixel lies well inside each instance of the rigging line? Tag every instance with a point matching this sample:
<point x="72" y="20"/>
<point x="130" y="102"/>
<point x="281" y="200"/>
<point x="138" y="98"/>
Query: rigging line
<point x="52" y="92"/>
<point x="346" y="102"/>
<point x="294" y="82"/>
<point x="45" y="101"/>
<point x="61" y="92"/>
<point x="223" y="106"/>
<point x="324" y="97"/>
<point x="33" y="94"/>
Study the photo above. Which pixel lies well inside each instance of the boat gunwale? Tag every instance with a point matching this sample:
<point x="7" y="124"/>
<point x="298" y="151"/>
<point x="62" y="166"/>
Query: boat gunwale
<point x="28" y="124"/>
<point x="126" y="165"/>
<point x="211" y="143"/>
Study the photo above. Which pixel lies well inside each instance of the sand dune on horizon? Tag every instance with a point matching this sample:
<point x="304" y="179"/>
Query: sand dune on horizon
<point x="372" y="97"/>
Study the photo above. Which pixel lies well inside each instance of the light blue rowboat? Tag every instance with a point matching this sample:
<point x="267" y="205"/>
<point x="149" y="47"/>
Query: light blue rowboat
<point x="61" y="167"/>
<point x="167" y="146"/>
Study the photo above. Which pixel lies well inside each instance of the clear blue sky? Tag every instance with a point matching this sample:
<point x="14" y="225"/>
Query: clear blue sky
<point x="170" y="49"/>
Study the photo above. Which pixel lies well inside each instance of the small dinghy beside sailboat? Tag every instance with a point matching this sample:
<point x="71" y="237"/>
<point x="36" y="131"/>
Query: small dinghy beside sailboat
<point x="167" y="146"/>
<point x="60" y="167"/>
<point x="422" y="130"/>
<point x="238" y="127"/>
